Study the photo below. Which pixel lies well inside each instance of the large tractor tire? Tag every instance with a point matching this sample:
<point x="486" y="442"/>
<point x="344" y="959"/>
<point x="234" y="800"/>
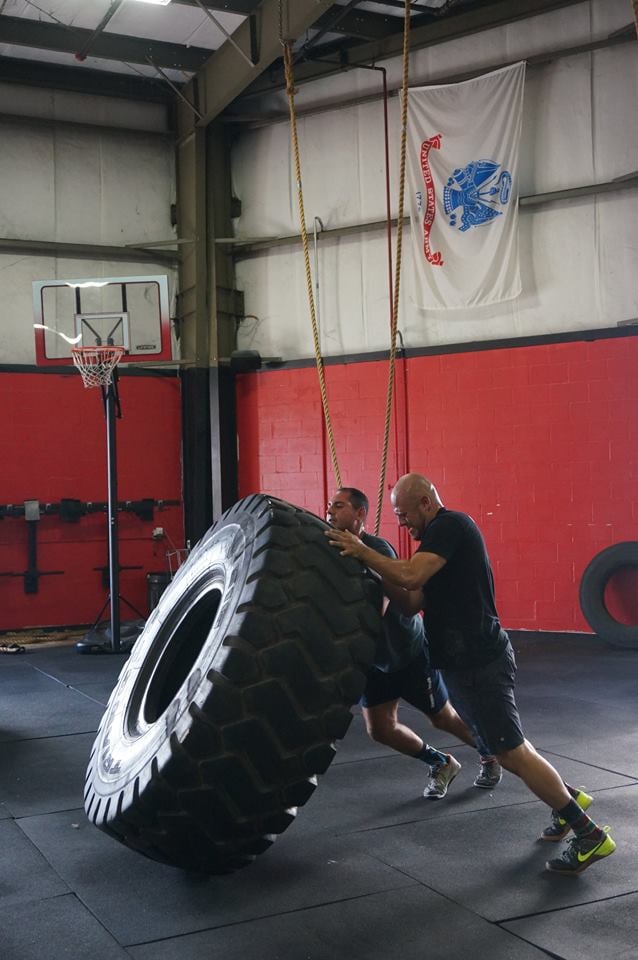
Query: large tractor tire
<point x="235" y="692"/>
<point x="597" y="575"/>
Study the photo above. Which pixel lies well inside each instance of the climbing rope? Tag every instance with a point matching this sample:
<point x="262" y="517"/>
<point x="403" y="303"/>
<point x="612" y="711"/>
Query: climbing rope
<point x="397" y="271"/>
<point x="290" y="91"/>
<point x="636" y="15"/>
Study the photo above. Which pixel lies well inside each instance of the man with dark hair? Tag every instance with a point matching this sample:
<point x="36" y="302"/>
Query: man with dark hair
<point x="401" y="670"/>
<point x="450" y="579"/>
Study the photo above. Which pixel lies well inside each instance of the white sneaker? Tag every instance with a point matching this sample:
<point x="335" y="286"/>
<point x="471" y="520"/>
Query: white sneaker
<point x="441" y="776"/>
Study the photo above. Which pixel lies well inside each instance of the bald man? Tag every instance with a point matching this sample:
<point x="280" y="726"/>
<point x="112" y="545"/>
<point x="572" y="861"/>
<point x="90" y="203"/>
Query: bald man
<point x="449" y="577"/>
<point x="401" y="671"/>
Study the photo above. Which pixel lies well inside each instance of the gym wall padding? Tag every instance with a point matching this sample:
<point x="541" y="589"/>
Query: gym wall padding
<point x="539" y="443"/>
<point x="53" y="447"/>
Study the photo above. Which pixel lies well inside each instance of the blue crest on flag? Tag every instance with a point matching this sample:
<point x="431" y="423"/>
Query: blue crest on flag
<point x="479" y="190"/>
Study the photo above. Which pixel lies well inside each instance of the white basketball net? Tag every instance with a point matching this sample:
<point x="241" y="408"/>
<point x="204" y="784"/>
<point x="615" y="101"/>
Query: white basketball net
<point x="96" y="364"/>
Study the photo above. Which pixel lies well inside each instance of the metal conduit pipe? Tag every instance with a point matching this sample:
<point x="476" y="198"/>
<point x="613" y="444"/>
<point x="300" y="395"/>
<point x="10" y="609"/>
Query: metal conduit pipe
<point x="250" y="246"/>
<point x="626" y="35"/>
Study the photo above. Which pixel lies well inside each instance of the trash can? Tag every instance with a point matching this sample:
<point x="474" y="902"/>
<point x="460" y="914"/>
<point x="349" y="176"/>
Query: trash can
<point x="156" y="584"/>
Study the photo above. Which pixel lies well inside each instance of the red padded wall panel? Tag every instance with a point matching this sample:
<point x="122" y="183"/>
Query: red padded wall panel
<point x="54" y="446"/>
<point x="538" y="443"/>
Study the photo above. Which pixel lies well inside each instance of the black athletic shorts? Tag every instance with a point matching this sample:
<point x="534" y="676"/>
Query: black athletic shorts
<point x="417" y="684"/>
<point x="486" y="694"/>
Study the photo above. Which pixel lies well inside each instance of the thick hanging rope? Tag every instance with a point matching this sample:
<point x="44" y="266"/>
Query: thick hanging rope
<point x="397" y="272"/>
<point x="290" y="91"/>
<point x="636" y="15"/>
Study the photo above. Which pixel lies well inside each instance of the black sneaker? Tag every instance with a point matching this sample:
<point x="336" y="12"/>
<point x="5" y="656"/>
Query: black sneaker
<point x="559" y="828"/>
<point x="581" y="852"/>
<point x="489" y="775"/>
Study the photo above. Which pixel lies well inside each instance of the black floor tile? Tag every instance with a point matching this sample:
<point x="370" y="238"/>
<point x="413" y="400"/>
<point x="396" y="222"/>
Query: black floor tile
<point x="33" y="704"/>
<point x="67" y="665"/>
<point x="410" y="924"/>
<point x="383" y="791"/>
<point x="44" y="775"/>
<point x="615" y="752"/>
<point x="55" y="928"/>
<point x="368" y="868"/>
<point x="555" y="717"/>
<point x="492" y="865"/>
<point x="98" y="692"/>
<point x="25" y="875"/>
<point x="605" y="931"/>
<point x="139" y="900"/>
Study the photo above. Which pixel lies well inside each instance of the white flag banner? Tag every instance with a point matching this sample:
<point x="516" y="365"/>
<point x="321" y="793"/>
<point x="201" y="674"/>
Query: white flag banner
<point x="462" y="168"/>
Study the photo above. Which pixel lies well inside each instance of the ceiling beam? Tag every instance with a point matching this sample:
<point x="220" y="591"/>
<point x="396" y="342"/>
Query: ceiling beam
<point x="87" y="251"/>
<point x="33" y="73"/>
<point x="107" y="46"/>
<point x="453" y="27"/>
<point x="360" y="24"/>
<point x="242" y="7"/>
<point x="227" y="74"/>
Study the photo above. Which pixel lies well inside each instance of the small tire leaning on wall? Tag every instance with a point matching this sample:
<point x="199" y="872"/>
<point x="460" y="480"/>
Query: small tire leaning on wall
<point x="597" y="575"/>
<point x="235" y="692"/>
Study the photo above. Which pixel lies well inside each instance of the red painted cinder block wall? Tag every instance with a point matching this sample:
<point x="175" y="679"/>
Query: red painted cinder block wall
<point x="538" y="443"/>
<point x="53" y="447"/>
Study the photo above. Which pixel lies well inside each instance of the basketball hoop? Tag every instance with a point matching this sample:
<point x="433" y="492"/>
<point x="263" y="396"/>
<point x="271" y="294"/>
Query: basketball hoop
<point x="96" y="364"/>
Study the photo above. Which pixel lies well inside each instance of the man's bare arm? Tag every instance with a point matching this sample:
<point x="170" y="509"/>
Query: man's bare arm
<point x="407" y="575"/>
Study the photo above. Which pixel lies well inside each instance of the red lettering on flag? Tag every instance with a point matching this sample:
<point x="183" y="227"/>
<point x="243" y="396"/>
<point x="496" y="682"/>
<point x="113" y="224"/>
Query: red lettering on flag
<point x="432" y="257"/>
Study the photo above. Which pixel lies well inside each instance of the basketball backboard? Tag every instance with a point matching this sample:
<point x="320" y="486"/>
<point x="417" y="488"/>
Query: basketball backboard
<point x="132" y="312"/>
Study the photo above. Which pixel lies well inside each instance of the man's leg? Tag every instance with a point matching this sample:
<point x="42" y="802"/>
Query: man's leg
<point x="380" y="705"/>
<point x="490" y="694"/>
<point x="383" y="725"/>
<point x="425" y="689"/>
<point x="448" y="719"/>
<point x="591" y="842"/>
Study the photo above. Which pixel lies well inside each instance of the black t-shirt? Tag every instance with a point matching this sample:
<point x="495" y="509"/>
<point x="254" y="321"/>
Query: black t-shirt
<point x="459" y="611"/>
<point x="404" y="637"/>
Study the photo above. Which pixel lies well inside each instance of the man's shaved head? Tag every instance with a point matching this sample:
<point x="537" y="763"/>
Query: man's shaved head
<point x="415" y="501"/>
<point x="414" y="486"/>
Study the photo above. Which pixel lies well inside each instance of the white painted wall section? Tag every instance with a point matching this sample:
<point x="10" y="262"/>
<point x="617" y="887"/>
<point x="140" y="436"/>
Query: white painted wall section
<point x="578" y="257"/>
<point x="69" y="184"/>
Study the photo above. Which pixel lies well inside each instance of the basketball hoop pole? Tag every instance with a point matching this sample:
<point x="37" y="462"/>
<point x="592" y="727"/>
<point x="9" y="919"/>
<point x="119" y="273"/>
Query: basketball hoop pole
<point x="114" y="558"/>
<point x="98" y="366"/>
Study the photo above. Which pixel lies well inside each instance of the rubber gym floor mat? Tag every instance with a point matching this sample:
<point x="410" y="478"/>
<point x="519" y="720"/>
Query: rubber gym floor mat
<point x="570" y="664"/>
<point x="494" y="865"/>
<point x="412" y="923"/>
<point x="25" y="875"/>
<point x="32" y="704"/>
<point x="386" y="791"/>
<point x="138" y="900"/>
<point x="99" y="692"/>
<point x="44" y="775"/>
<point x="558" y="717"/>
<point x="607" y="930"/>
<point x="54" y="928"/>
<point x="68" y="666"/>
<point x="614" y="751"/>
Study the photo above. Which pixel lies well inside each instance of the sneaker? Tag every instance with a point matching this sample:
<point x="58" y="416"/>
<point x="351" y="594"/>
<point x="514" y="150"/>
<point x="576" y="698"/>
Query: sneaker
<point x="559" y="828"/>
<point x="441" y="776"/>
<point x="489" y="775"/>
<point x="581" y="852"/>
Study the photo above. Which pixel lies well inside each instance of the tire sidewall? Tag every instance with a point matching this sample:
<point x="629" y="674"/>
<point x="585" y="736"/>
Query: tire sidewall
<point x="126" y="743"/>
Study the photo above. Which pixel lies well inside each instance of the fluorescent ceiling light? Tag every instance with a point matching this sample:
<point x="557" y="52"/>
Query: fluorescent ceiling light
<point x="162" y="3"/>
